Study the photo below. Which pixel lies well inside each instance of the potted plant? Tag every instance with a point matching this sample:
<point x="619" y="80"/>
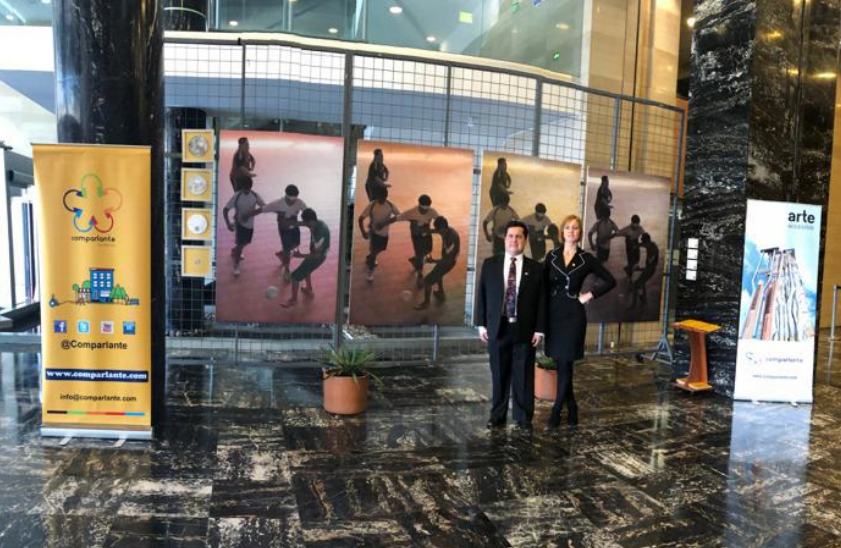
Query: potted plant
<point x="346" y="378"/>
<point x="545" y="377"/>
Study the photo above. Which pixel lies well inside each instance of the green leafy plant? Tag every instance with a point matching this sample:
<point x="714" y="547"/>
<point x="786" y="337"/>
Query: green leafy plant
<point x="545" y="362"/>
<point x="348" y="362"/>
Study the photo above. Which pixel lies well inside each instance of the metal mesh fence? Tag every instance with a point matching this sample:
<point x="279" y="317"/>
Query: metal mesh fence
<point x="282" y="87"/>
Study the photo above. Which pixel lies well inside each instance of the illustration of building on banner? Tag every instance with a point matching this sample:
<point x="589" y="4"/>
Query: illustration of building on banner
<point x="99" y="288"/>
<point x="779" y="309"/>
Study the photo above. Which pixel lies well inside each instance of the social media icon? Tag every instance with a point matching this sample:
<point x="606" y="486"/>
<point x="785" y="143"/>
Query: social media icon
<point x="107" y="328"/>
<point x="59" y="326"/>
<point x="84" y="326"/>
<point x="129" y="328"/>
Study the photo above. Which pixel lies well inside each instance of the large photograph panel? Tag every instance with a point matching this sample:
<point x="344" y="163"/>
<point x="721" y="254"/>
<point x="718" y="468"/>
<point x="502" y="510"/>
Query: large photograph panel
<point x="412" y="209"/>
<point x="288" y="265"/>
<point x="538" y="192"/>
<point x="626" y="226"/>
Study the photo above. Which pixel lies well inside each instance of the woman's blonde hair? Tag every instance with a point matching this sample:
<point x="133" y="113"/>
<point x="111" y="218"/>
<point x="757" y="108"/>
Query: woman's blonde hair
<point x="577" y="219"/>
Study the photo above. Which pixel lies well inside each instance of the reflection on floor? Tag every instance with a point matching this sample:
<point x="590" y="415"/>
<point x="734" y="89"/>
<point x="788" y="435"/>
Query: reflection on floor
<point x="247" y="458"/>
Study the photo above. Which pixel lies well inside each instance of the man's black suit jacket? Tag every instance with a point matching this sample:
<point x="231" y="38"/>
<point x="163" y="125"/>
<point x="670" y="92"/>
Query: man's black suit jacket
<point x="531" y="299"/>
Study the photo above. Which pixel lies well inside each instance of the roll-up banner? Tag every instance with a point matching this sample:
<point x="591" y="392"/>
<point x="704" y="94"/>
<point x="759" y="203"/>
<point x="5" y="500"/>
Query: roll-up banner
<point x="776" y="348"/>
<point x="94" y="214"/>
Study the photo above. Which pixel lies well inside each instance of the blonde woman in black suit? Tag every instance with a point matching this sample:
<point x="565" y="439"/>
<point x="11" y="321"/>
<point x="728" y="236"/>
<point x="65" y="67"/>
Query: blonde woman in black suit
<point x="565" y="270"/>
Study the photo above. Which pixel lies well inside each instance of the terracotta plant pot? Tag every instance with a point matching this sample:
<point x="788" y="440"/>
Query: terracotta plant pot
<point x="343" y="396"/>
<point x="545" y="384"/>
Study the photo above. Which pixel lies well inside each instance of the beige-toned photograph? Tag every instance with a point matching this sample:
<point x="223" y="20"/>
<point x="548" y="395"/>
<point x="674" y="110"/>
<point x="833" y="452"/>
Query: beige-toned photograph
<point x="538" y="192"/>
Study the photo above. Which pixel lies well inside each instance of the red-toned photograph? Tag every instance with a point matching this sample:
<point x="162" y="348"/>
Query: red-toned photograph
<point x="277" y="227"/>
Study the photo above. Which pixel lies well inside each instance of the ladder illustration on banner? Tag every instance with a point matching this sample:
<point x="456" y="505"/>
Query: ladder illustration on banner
<point x="779" y="310"/>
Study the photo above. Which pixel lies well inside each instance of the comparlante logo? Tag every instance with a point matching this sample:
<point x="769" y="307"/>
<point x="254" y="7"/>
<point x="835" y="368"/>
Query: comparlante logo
<point x="92" y="205"/>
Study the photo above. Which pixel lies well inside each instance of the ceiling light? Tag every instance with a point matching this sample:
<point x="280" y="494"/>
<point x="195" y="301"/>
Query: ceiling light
<point x="690" y="22"/>
<point x="431" y="39"/>
<point x="45" y="1"/>
<point x="10" y="17"/>
<point x="825" y="75"/>
<point x="562" y="26"/>
<point x="233" y="23"/>
<point x="396" y="10"/>
<point x="333" y="30"/>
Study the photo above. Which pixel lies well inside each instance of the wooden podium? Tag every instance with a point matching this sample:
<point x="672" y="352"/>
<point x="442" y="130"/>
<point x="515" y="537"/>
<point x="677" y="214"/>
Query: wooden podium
<point x="697" y="379"/>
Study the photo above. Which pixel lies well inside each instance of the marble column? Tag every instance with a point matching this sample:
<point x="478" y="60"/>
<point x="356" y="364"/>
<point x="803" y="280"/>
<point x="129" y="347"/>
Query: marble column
<point x="109" y="90"/>
<point x="761" y="105"/>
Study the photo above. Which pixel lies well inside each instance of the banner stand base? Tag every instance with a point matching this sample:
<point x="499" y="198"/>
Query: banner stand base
<point x="87" y="431"/>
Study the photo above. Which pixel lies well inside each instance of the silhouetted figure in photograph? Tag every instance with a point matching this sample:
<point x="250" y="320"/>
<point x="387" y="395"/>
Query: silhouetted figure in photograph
<point x="498" y="218"/>
<point x="450" y="248"/>
<point x="319" y="246"/>
<point x="380" y="213"/>
<point x="652" y="257"/>
<point x="243" y="163"/>
<point x="288" y="227"/>
<point x="245" y="203"/>
<point x="604" y="197"/>
<point x="604" y="229"/>
<point x="500" y="182"/>
<point x="632" y="234"/>
<point x="538" y="222"/>
<point x="420" y="220"/>
<point x="377" y="175"/>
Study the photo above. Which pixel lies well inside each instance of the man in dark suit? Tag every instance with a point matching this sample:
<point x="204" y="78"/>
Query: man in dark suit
<point x="511" y="315"/>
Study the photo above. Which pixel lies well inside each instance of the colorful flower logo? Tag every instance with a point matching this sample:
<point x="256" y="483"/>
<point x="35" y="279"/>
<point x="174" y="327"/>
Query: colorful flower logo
<point x="93" y="208"/>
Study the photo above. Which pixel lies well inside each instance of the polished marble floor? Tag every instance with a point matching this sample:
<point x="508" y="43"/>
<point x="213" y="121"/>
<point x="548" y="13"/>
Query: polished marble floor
<point x="247" y="458"/>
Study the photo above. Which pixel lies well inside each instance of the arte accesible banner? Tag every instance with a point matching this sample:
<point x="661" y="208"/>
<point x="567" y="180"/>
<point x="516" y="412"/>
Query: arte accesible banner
<point x="94" y="215"/>
<point x="777" y="316"/>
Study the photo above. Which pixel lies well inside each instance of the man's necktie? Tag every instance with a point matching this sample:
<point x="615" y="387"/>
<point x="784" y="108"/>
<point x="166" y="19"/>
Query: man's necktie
<point x="511" y="290"/>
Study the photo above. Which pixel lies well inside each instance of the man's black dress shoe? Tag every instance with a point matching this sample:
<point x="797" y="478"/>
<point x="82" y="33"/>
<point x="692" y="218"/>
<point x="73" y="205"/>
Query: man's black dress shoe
<point x="495" y="424"/>
<point x="525" y="426"/>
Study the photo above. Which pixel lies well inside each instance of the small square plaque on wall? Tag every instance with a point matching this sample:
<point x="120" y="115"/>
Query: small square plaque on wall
<point x="195" y="261"/>
<point x="197" y="146"/>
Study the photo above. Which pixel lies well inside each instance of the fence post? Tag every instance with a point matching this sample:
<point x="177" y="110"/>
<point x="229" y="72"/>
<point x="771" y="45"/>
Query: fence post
<point x="342" y="280"/>
<point x="664" y="345"/>
<point x="538" y="117"/>
<point x="614" y="154"/>
<point x="448" y="98"/>
<point x="614" y="137"/>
